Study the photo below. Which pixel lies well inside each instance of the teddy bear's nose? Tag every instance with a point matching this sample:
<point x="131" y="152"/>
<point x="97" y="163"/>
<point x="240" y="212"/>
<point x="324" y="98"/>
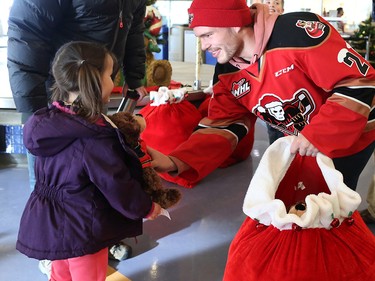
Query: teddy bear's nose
<point x="301" y="206"/>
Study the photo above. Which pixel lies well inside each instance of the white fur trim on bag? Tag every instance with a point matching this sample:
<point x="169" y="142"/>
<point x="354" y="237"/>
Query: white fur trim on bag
<point x="260" y="202"/>
<point x="167" y="96"/>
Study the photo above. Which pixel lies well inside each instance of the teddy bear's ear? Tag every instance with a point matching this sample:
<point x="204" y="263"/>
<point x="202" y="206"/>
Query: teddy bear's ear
<point x="141" y="121"/>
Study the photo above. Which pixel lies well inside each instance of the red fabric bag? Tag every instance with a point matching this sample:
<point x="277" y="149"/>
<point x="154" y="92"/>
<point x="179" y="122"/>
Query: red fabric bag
<point x="328" y="241"/>
<point x="264" y="253"/>
<point x="168" y="125"/>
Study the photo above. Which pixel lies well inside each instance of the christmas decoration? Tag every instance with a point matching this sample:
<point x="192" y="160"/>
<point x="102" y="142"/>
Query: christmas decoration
<point x="363" y="38"/>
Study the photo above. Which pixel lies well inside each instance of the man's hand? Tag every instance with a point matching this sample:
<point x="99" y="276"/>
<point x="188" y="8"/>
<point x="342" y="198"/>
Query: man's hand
<point x="161" y="162"/>
<point x="303" y="146"/>
<point x="142" y="92"/>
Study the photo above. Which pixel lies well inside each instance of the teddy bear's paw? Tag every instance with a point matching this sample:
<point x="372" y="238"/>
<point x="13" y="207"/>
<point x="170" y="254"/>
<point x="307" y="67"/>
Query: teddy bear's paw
<point x="167" y="198"/>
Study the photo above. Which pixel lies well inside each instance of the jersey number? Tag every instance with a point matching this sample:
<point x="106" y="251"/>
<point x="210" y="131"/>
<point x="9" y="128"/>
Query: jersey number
<point x="349" y="58"/>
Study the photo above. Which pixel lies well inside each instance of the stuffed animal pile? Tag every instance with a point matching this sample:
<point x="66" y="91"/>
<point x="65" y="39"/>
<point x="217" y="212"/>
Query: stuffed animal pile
<point x="131" y="126"/>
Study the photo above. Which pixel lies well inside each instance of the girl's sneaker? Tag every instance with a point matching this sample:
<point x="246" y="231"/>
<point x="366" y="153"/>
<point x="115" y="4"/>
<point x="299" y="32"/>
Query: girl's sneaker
<point x="45" y="267"/>
<point x="119" y="251"/>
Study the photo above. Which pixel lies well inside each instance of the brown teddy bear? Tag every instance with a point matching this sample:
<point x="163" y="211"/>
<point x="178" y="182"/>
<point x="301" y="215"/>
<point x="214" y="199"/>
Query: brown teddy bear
<point x="131" y="126"/>
<point x="298" y="209"/>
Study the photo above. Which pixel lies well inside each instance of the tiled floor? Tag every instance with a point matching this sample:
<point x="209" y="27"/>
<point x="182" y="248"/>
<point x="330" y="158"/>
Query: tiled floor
<point x="191" y="247"/>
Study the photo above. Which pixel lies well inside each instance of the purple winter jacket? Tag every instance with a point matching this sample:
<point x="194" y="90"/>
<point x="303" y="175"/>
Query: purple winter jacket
<point x="88" y="192"/>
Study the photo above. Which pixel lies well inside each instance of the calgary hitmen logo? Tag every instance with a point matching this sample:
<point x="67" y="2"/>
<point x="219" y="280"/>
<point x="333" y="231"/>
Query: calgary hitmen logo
<point x="314" y="29"/>
<point x="289" y="116"/>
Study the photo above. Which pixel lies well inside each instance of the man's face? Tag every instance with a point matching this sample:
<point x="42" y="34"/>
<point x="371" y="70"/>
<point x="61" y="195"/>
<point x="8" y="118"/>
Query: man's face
<point x="222" y="42"/>
<point x="275" y="6"/>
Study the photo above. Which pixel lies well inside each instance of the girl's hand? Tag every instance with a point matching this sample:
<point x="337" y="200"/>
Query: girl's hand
<point x="303" y="146"/>
<point x="155" y="211"/>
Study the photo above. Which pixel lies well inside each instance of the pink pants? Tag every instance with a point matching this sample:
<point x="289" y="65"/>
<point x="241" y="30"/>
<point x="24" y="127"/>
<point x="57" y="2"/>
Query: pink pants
<point x="89" y="267"/>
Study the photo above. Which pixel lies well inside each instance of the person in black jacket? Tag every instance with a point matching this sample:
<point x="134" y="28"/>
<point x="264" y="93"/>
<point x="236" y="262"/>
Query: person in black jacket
<point x="38" y="28"/>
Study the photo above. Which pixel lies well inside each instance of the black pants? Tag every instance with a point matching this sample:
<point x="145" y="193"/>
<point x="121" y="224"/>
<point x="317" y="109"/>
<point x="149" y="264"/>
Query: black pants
<point x="273" y="134"/>
<point x="352" y="166"/>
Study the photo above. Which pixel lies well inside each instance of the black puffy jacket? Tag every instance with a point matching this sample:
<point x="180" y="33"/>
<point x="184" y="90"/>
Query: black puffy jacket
<point x="37" y="28"/>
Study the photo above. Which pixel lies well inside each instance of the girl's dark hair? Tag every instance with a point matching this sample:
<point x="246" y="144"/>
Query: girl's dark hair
<point x="77" y="67"/>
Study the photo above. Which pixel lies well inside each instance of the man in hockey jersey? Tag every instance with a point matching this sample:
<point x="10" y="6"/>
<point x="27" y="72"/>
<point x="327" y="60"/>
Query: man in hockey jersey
<point x="284" y="55"/>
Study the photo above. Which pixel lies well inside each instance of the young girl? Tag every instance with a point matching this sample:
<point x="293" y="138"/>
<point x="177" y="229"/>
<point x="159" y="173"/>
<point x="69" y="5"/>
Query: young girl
<point x="88" y="193"/>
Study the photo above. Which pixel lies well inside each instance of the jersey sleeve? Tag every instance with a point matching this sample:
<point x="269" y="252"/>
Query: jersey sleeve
<point x="343" y="124"/>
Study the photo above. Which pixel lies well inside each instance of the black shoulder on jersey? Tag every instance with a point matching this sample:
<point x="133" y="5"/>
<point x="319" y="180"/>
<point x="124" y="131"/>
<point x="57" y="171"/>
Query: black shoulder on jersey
<point x="299" y="29"/>
<point x="223" y="68"/>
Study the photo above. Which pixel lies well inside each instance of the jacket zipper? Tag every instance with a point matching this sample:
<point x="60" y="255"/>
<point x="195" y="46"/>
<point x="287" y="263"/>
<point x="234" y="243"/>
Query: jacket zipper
<point x="120" y="23"/>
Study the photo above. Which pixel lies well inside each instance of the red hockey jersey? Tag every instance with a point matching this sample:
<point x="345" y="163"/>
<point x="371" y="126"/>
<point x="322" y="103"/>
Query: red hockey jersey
<point x="308" y="80"/>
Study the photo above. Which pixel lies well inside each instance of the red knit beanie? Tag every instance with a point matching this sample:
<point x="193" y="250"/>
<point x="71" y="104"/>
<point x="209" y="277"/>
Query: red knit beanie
<point x="219" y="13"/>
